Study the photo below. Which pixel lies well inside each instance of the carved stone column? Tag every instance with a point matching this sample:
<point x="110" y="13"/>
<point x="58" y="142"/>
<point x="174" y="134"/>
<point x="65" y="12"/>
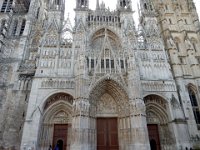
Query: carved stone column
<point x="139" y="131"/>
<point x="81" y="125"/>
<point x="139" y="134"/>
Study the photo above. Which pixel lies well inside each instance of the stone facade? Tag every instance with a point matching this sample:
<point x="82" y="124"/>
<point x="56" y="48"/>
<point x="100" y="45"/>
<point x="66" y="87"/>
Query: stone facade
<point x="55" y="74"/>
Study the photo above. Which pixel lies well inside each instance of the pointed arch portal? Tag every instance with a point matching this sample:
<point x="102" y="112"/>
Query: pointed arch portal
<point x="109" y="102"/>
<point x="160" y="136"/>
<point x="56" y="122"/>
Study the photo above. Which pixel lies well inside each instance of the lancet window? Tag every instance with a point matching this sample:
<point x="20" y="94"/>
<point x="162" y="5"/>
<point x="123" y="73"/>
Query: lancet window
<point x="195" y="105"/>
<point x="22" y="27"/>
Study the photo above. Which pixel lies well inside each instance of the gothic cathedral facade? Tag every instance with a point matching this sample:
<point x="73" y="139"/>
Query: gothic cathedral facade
<point x="102" y="84"/>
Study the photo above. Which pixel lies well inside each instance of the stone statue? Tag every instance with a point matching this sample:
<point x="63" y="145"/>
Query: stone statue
<point x="188" y="44"/>
<point x="170" y="43"/>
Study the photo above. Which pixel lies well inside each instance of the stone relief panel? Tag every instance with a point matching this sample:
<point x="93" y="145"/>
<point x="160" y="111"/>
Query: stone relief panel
<point x="61" y="118"/>
<point x="57" y="97"/>
<point x="152" y="118"/>
<point x="106" y="105"/>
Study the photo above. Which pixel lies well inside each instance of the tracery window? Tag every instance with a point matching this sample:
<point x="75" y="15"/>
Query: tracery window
<point x="195" y="105"/>
<point x="6" y="6"/>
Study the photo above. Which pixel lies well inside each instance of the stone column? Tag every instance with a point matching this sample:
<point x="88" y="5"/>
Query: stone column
<point x="139" y="131"/>
<point x="32" y="122"/>
<point x="81" y="125"/>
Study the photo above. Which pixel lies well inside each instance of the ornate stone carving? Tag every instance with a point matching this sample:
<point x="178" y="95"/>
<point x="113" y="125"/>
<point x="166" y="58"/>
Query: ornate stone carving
<point x="61" y="118"/>
<point x="58" y="97"/>
<point x="152" y="118"/>
<point x="174" y="102"/>
<point x="155" y="100"/>
<point x="170" y="43"/>
<point x="158" y="86"/>
<point x="81" y="107"/>
<point x="61" y="84"/>
<point x="106" y="105"/>
<point x="137" y="107"/>
<point x="188" y="44"/>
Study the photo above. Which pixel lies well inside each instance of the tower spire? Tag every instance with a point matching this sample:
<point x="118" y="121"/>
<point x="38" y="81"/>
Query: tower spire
<point x="97" y="5"/>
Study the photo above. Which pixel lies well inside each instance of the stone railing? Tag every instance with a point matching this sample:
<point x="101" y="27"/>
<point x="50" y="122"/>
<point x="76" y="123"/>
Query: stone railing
<point x="60" y="84"/>
<point x="158" y="86"/>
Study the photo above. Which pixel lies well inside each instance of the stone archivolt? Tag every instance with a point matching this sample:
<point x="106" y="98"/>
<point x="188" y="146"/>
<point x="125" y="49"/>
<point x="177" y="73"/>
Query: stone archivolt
<point x="56" y="98"/>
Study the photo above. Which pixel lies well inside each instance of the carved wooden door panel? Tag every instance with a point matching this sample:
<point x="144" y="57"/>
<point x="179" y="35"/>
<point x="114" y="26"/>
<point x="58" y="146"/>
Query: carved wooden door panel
<point x="154" y="139"/>
<point x="60" y="136"/>
<point x="107" y="134"/>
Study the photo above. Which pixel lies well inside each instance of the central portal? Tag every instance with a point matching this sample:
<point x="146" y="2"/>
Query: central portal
<point x="107" y="134"/>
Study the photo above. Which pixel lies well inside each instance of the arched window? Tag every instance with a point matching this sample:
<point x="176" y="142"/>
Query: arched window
<point x="145" y="6"/>
<point x="14" y="27"/>
<point x="6" y="6"/>
<point x="22" y="27"/>
<point x="195" y="105"/>
<point x="82" y="2"/>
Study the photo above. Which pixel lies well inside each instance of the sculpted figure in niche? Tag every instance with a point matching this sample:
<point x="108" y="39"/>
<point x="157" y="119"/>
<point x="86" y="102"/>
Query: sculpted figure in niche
<point x="170" y="43"/>
<point x="174" y="102"/>
<point x="188" y="44"/>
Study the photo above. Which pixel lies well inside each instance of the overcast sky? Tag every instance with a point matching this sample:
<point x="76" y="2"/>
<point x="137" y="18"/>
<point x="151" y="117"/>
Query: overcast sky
<point x="71" y="4"/>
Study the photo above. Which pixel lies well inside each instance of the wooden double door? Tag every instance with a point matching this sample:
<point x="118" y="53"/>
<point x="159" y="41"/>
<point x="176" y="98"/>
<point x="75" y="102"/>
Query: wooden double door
<point x="154" y="136"/>
<point x="60" y="136"/>
<point x="107" y="134"/>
